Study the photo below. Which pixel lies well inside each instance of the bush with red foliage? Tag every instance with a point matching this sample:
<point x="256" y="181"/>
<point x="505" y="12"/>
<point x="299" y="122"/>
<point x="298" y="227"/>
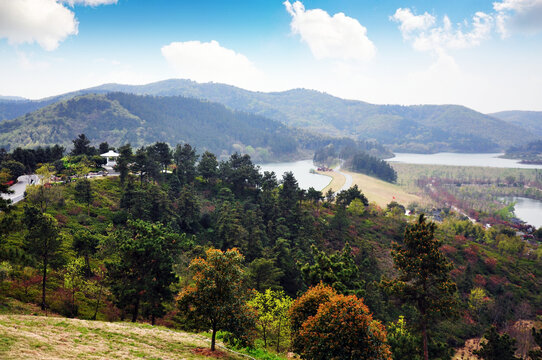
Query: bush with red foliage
<point x="343" y="328"/>
<point x="307" y="305"/>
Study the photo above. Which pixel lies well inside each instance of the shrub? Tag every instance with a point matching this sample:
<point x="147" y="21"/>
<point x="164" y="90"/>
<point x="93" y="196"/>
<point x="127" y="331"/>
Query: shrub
<point x="343" y="328"/>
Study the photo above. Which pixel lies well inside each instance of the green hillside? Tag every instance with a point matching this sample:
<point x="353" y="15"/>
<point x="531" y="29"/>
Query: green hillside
<point x="122" y="118"/>
<point x="422" y="128"/>
<point x="530" y="120"/>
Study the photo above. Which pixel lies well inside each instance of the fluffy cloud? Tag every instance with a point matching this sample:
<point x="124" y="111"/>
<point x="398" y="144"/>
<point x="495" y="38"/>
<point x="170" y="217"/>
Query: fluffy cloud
<point x="208" y="61"/>
<point x="89" y="2"/>
<point x="46" y="22"/>
<point x="334" y="37"/>
<point x="43" y="21"/>
<point x="427" y="36"/>
<point x="410" y="22"/>
<point x="518" y="15"/>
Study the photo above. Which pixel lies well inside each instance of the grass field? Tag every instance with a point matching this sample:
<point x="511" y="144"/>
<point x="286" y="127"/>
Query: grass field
<point x="382" y="192"/>
<point x="39" y="337"/>
<point x="378" y="191"/>
<point x="337" y="180"/>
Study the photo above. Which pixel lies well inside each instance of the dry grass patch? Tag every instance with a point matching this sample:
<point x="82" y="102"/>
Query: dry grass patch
<point x="336" y="183"/>
<point x="382" y="192"/>
<point x="38" y="337"/>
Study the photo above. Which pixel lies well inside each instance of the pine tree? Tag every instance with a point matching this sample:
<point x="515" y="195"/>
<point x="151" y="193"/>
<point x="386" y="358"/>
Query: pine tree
<point x="497" y="347"/>
<point x="42" y="240"/>
<point x="424" y="276"/>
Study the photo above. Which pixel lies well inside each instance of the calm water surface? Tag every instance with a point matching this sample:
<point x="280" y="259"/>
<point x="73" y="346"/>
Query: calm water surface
<point x="458" y="159"/>
<point x="528" y="210"/>
<point x="301" y="170"/>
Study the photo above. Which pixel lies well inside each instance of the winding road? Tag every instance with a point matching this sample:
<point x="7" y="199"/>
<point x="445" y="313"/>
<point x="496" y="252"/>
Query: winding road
<point x="347" y="177"/>
<point x="20" y="187"/>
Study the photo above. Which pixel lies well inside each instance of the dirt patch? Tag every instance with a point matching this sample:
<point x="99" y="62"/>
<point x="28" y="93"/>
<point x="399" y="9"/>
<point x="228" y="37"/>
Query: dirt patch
<point x="217" y="354"/>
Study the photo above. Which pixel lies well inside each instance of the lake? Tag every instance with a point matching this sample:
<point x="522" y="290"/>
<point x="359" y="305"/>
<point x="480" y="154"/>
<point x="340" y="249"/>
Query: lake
<point x="460" y="159"/>
<point x="301" y="170"/>
<point x="526" y="209"/>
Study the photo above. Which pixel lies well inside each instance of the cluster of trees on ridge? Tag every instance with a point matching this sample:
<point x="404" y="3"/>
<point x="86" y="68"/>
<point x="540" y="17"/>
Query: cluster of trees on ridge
<point x="359" y="157"/>
<point x="145" y="245"/>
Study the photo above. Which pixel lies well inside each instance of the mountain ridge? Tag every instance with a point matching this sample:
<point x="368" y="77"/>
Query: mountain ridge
<point x="415" y="128"/>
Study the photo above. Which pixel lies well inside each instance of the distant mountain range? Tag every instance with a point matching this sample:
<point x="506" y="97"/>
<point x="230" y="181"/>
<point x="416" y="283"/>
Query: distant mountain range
<point x="120" y="118"/>
<point x="421" y="128"/>
<point x="529" y="120"/>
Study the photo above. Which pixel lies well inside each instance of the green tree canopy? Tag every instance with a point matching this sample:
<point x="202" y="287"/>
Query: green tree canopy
<point x="217" y="294"/>
<point x="424" y="276"/>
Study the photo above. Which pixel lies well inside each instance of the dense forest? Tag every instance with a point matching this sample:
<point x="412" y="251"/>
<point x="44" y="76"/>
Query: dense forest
<point x="193" y="242"/>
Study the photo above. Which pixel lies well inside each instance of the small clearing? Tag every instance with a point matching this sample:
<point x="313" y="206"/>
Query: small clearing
<point x="39" y="337"/>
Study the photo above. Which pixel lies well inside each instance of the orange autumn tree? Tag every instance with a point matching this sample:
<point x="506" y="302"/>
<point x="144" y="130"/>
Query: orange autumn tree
<point x="343" y="328"/>
<point x="218" y="295"/>
<point x="327" y="325"/>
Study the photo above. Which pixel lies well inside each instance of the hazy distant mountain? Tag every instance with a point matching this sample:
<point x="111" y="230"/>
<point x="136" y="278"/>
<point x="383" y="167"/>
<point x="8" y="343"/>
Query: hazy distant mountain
<point x="120" y="118"/>
<point x="530" y="120"/>
<point x="11" y="98"/>
<point x="422" y="128"/>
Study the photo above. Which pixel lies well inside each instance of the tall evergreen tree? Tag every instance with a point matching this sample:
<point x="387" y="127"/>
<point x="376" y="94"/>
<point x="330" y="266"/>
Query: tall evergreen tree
<point x="124" y="161"/>
<point x="424" y="276"/>
<point x="497" y="347"/>
<point x="141" y="271"/>
<point x="185" y="158"/>
<point x="81" y="146"/>
<point x="208" y="166"/>
<point x="42" y="241"/>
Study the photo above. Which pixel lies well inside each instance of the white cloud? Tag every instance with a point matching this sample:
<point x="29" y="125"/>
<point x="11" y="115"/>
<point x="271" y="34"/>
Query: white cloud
<point x="45" y="22"/>
<point x="333" y="37"/>
<point x="410" y="22"/>
<point x="427" y="36"/>
<point x="518" y="15"/>
<point x="89" y="2"/>
<point x="208" y="61"/>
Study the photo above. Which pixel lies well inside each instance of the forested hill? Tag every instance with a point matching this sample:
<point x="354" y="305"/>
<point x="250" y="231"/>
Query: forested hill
<point x="123" y="118"/>
<point x="423" y="128"/>
<point x="530" y="120"/>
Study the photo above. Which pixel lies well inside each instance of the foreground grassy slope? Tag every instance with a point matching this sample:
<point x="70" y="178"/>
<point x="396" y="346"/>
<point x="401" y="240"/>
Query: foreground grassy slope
<point x="39" y="337"/>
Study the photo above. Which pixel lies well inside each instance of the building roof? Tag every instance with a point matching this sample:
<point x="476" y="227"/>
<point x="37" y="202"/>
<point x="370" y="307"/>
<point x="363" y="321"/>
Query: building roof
<point x="110" y="153"/>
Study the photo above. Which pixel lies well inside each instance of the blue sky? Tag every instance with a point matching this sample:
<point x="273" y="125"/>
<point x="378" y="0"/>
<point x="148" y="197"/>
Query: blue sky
<point x="483" y="54"/>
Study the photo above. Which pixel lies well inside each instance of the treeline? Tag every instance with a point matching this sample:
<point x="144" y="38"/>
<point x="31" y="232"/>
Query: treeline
<point x="367" y="164"/>
<point x="345" y="148"/>
<point x="528" y="153"/>
<point x="179" y="239"/>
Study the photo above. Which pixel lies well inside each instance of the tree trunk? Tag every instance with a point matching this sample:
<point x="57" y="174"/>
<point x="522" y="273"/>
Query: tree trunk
<point x="136" y="310"/>
<point x="278" y="338"/>
<point x="97" y="303"/>
<point x="213" y="338"/>
<point x="44" y="280"/>
<point x="424" y="335"/>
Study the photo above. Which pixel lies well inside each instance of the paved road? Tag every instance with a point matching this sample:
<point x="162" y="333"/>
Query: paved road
<point x="348" y="179"/>
<point x="20" y="187"/>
